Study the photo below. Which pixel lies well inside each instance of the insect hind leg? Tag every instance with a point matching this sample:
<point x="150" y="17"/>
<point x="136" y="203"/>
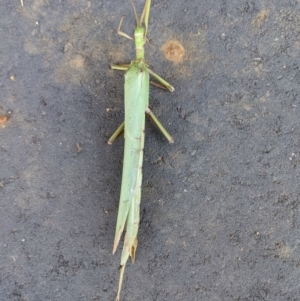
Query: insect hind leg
<point x="160" y="126"/>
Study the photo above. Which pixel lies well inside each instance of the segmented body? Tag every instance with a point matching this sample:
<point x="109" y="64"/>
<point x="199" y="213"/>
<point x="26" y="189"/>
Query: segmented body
<point x="136" y="103"/>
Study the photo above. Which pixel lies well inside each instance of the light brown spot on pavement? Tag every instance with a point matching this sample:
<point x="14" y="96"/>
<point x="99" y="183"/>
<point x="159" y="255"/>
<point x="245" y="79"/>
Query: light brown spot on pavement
<point x="260" y="18"/>
<point x="173" y="51"/>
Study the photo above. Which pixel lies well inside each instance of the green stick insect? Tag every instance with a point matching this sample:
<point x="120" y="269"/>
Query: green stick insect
<point x="136" y="105"/>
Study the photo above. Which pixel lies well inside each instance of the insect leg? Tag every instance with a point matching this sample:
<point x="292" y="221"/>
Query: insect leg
<point x="121" y="33"/>
<point x="123" y="67"/>
<point x="116" y="134"/>
<point x="161" y="80"/>
<point x="160" y="126"/>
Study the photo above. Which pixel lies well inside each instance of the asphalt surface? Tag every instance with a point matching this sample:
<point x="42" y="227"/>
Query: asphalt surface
<point x="220" y="207"/>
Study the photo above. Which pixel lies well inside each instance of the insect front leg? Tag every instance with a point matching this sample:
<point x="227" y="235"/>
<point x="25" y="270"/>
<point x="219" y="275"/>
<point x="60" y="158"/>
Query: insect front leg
<point x="121" y="33"/>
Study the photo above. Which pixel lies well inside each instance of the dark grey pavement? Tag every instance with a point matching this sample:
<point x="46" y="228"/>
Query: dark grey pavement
<point x="220" y="214"/>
